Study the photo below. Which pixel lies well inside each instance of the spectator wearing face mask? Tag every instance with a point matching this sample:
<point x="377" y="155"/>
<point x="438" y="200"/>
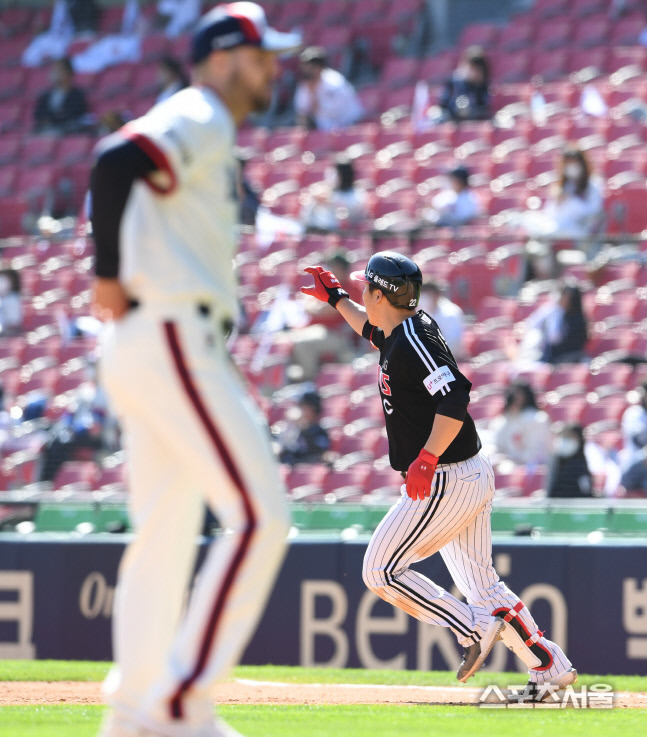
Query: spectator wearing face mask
<point x="634" y="429"/>
<point x="569" y="475"/>
<point x="337" y="201"/>
<point x="634" y="479"/>
<point x="522" y="432"/>
<point x="560" y="328"/>
<point x="466" y="95"/>
<point x="11" y="312"/>
<point x="324" y="98"/>
<point x="576" y="208"/>
<point x="455" y="205"/>
<point x="304" y="440"/>
<point x="61" y="108"/>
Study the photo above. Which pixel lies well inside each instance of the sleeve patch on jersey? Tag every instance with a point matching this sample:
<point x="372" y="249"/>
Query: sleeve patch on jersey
<point x="439" y="379"/>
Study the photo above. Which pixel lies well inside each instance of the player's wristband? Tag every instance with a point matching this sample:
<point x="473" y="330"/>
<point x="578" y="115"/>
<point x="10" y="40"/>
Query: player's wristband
<point x="335" y="295"/>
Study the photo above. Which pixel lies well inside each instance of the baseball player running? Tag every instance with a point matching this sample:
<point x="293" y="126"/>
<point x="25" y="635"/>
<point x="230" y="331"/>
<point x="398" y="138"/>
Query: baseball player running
<point x="164" y="216"/>
<point x="447" y="498"/>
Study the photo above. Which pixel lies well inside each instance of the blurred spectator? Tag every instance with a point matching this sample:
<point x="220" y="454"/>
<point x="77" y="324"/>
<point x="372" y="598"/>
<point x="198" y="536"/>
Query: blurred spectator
<point x="53" y="43"/>
<point x="248" y="199"/>
<point x="569" y="471"/>
<point x="559" y="329"/>
<point x="109" y="122"/>
<point x="304" y="440"/>
<point x="576" y="208"/>
<point x="327" y="336"/>
<point x="10" y="302"/>
<point x="449" y="316"/>
<point x="455" y="205"/>
<point x="634" y="429"/>
<point x="634" y="479"/>
<point x="171" y="77"/>
<point x="466" y="95"/>
<point x="85" y="15"/>
<point x="522" y="432"/>
<point x="179" y="15"/>
<point x="84" y="428"/>
<point x="60" y="109"/>
<point x="123" y="47"/>
<point x="337" y="201"/>
<point x="324" y="98"/>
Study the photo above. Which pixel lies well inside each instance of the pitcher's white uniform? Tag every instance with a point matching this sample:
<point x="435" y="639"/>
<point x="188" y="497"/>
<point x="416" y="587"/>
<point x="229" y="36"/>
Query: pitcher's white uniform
<point x="191" y="432"/>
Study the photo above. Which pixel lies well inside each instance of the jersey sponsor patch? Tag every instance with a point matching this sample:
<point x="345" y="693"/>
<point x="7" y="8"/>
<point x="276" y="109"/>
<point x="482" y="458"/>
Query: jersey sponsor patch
<point x="439" y="380"/>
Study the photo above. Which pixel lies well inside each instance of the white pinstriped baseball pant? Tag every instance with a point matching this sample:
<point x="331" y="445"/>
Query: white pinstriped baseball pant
<point x="193" y="437"/>
<point x="455" y="521"/>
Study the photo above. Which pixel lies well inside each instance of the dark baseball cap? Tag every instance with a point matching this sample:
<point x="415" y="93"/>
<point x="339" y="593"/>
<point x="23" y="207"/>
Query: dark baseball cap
<point x="238" y="24"/>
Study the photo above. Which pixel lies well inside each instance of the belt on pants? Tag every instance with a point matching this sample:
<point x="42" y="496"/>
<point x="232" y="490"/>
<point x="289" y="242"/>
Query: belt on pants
<point x="202" y="308"/>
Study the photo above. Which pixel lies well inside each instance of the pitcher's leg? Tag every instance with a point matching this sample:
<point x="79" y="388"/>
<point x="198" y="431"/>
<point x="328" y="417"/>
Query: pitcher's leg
<point x="155" y="571"/>
<point x="239" y="480"/>
<point x="404" y="536"/>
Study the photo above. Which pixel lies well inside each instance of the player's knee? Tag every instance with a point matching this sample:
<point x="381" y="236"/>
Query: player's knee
<point x="274" y="521"/>
<point x="373" y="574"/>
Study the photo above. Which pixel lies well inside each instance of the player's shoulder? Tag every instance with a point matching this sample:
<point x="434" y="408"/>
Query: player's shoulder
<point x="333" y="78"/>
<point x="192" y="107"/>
<point x="416" y="330"/>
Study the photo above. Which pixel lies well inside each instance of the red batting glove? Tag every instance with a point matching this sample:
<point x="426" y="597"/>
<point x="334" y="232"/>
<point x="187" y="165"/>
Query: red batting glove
<point x="420" y="475"/>
<point x="326" y="287"/>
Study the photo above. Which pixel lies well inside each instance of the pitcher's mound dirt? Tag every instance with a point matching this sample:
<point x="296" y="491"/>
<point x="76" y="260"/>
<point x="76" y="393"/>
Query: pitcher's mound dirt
<point x="255" y="692"/>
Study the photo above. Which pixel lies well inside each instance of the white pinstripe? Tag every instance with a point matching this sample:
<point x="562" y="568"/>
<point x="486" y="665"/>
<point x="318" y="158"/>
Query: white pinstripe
<point x="455" y="523"/>
<point x="420" y="349"/>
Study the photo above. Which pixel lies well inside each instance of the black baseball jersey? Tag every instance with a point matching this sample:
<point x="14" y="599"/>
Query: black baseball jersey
<point x="419" y="378"/>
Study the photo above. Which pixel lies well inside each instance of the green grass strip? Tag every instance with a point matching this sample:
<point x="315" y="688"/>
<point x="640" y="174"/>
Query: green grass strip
<point x="358" y="721"/>
<point x="54" y="670"/>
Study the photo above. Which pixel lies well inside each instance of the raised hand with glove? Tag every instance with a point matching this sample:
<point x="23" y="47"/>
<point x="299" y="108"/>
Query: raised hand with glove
<point x="421" y="474"/>
<point x="326" y="287"/>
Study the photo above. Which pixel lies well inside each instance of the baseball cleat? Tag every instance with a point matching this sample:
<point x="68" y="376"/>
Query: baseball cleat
<point x="538" y="692"/>
<point x="474" y="656"/>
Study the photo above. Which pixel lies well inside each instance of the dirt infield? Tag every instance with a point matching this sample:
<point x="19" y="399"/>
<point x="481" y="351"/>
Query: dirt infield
<point x="255" y="692"/>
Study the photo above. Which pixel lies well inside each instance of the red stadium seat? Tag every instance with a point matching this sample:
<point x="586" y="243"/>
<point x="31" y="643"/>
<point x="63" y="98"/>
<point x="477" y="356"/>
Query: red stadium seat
<point x="114" y="81"/>
<point x="366" y="11"/>
<point x="295" y="13"/>
<point x="510" y="67"/>
<point x="77" y="476"/>
<point x="517" y="34"/>
<point x="567" y="409"/>
<point x="12" y="212"/>
<point x="11" y="116"/>
<point x="11" y="82"/>
<point x="371" y="99"/>
<point x="404" y="14"/>
<point x="554" y="35"/>
<point x="549" y="65"/>
<point x="626" y="212"/>
<point x="399" y="71"/>
<point x="39" y="149"/>
<point x="438" y="68"/>
<point x="73" y="149"/>
<point x="625" y="31"/>
<point x="479" y="34"/>
<point x="154" y="47"/>
<point x="35" y="181"/>
<point x="330" y="13"/>
<point x="592" y="31"/>
<point x="544" y="9"/>
<point x="582" y="8"/>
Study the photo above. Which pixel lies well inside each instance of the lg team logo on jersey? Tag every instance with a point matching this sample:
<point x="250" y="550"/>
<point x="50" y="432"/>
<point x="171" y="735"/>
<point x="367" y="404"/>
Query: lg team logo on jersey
<point x="385" y="389"/>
